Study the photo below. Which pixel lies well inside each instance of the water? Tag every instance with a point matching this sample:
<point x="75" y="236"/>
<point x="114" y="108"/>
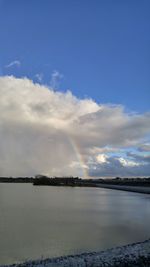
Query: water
<point x="54" y="221"/>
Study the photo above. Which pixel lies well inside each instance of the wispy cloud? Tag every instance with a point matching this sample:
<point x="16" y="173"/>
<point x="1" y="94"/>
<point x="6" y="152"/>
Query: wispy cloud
<point x="144" y="148"/>
<point x="13" y="63"/>
<point x="56" y="76"/>
<point x="39" y="77"/>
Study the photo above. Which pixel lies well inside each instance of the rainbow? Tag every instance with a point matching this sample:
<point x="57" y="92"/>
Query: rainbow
<point x="79" y="156"/>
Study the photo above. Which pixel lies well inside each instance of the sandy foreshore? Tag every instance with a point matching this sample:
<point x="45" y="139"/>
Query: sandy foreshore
<point x="137" y="189"/>
<point x="133" y="255"/>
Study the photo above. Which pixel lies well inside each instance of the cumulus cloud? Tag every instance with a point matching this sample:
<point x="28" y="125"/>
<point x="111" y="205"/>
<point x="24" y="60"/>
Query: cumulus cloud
<point x="13" y="63"/>
<point x="55" y="133"/>
<point x="138" y="157"/>
<point x="118" y="166"/>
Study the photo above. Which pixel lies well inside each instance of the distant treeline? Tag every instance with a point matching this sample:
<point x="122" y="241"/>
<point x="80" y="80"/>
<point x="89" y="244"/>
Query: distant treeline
<point x="16" y="179"/>
<point x="61" y="181"/>
<point x="126" y="181"/>
<point x="76" y="181"/>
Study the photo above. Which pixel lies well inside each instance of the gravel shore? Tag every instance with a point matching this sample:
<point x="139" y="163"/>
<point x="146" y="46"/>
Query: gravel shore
<point x="133" y="255"/>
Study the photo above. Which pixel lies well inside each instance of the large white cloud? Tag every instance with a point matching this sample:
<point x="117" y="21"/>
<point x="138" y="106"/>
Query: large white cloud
<point x="43" y="131"/>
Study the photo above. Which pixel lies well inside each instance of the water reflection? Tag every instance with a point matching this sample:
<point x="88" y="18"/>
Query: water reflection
<point x="53" y="221"/>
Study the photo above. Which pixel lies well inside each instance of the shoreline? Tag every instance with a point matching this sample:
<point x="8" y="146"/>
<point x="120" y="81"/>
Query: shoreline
<point x="129" y="188"/>
<point x="132" y="255"/>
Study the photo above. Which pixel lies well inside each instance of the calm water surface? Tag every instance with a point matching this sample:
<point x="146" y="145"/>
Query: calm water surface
<point x="54" y="221"/>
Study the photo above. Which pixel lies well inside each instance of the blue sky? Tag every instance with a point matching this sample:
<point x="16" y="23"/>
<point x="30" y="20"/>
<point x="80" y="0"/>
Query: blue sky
<point x="99" y="50"/>
<point x="100" y="47"/>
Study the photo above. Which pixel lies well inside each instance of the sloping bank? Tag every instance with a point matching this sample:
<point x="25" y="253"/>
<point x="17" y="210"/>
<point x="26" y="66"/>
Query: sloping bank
<point x="134" y="255"/>
<point x="136" y="189"/>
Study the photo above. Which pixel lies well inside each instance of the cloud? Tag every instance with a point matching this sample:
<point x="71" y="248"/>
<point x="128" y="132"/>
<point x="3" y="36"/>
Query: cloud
<point x="144" y="147"/>
<point x="13" y="63"/>
<point x="106" y="149"/>
<point x="39" y="77"/>
<point x="139" y="157"/>
<point x="119" y="166"/>
<point x="47" y="131"/>
<point x="55" y="79"/>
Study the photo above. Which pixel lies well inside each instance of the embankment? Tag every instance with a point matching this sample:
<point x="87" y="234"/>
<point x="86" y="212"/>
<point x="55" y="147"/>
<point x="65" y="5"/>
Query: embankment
<point x="137" y="189"/>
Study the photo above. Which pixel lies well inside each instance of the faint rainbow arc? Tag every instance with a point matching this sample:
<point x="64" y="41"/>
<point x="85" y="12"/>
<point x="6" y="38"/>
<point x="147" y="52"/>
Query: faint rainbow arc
<point x="79" y="156"/>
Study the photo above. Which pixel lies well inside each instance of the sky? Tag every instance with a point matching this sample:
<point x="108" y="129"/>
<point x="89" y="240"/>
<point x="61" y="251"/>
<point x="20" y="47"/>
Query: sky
<point x="75" y="88"/>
